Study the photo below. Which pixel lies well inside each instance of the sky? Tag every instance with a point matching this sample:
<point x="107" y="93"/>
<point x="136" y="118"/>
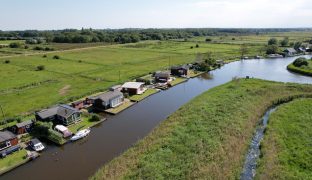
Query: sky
<point x="115" y="14"/>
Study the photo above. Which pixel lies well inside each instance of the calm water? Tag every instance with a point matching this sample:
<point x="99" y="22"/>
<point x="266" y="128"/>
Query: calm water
<point x="81" y="159"/>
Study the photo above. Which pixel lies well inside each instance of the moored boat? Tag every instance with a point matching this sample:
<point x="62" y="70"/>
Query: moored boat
<point x="81" y="134"/>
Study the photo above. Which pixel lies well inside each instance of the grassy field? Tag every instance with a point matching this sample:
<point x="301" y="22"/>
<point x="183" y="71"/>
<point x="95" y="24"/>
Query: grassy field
<point x="305" y="70"/>
<point x="208" y="137"/>
<point x="286" y="149"/>
<point x="82" y="72"/>
<point x="255" y="39"/>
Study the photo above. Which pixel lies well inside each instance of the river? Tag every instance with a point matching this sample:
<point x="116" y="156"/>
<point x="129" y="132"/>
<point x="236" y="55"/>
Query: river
<point x="81" y="159"/>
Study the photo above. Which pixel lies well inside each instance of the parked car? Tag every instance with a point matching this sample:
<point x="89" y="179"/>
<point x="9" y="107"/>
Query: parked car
<point x="36" y="145"/>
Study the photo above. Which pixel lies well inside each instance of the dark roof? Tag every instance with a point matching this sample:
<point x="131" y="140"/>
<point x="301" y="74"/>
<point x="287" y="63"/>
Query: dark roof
<point x="43" y="114"/>
<point x="35" y="141"/>
<point x="25" y="123"/>
<point x="61" y="110"/>
<point x="109" y="96"/>
<point x="66" y="111"/>
<point x="162" y="74"/>
<point x="6" y="135"/>
<point x="292" y="50"/>
<point x="186" y="67"/>
<point x="77" y="102"/>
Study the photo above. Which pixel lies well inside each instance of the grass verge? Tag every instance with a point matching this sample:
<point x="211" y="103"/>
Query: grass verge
<point x="120" y="108"/>
<point x="305" y="70"/>
<point x="207" y="137"/>
<point x="286" y="149"/>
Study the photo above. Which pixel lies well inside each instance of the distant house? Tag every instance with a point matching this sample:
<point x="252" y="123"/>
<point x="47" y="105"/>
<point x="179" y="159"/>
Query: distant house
<point x="63" y="114"/>
<point x="23" y="127"/>
<point x="133" y="88"/>
<point x="290" y="51"/>
<point x="180" y="70"/>
<point x="7" y="139"/>
<point x="162" y="77"/>
<point x="115" y="88"/>
<point x="108" y="100"/>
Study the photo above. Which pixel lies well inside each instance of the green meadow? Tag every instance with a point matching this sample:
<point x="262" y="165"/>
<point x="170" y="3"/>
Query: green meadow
<point x="207" y="137"/>
<point x="286" y="148"/>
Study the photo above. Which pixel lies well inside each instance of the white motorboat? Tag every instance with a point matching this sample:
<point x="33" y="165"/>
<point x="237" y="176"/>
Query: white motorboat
<point x="81" y="134"/>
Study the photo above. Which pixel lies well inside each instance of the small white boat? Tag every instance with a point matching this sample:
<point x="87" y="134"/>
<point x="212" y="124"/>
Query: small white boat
<point x="81" y="134"/>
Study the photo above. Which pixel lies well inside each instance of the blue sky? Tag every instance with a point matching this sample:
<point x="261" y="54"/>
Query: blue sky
<point x="100" y="14"/>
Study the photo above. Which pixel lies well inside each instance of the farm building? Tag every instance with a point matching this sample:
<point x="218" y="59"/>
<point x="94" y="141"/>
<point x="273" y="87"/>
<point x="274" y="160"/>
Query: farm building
<point x="162" y="77"/>
<point x="180" y="70"/>
<point x="23" y="127"/>
<point x="290" y="51"/>
<point x="108" y="100"/>
<point x="63" y="114"/>
<point x="133" y="88"/>
<point x="7" y="139"/>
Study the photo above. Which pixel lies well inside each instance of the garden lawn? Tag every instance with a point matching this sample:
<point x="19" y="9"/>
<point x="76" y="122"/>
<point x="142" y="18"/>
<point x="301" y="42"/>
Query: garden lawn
<point x="12" y="160"/>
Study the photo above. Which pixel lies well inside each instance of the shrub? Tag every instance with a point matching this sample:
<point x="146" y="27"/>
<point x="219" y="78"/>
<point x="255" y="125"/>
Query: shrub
<point x="7" y="61"/>
<point x="15" y="45"/>
<point x="300" y="62"/>
<point x="191" y="47"/>
<point x="44" y="56"/>
<point x="40" y="68"/>
<point x="56" y="57"/>
<point x="38" y="48"/>
<point x="233" y="39"/>
<point x="94" y="118"/>
<point x="197" y="46"/>
<point x="208" y="40"/>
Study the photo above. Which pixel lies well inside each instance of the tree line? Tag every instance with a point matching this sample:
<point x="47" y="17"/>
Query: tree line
<point x="127" y="35"/>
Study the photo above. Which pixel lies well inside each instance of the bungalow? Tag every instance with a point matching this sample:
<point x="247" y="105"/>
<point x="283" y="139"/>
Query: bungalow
<point x="133" y="88"/>
<point x="22" y="128"/>
<point x="63" y="114"/>
<point x="108" y="100"/>
<point x="290" y="51"/>
<point x="7" y="139"/>
<point x="162" y="77"/>
<point x="180" y="70"/>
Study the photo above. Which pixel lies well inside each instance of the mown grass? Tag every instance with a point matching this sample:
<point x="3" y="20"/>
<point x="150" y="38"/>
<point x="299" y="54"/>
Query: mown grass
<point x="305" y="70"/>
<point x="140" y="97"/>
<point x="205" y="139"/>
<point x="286" y="149"/>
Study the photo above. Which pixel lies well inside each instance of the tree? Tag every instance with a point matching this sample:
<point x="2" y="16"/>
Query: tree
<point x="297" y="45"/>
<point x="7" y="61"/>
<point x="197" y="46"/>
<point x="284" y="42"/>
<point x="272" y="41"/>
<point x="300" y="62"/>
<point x="56" y="57"/>
<point x="243" y="50"/>
<point x="271" y="49"/>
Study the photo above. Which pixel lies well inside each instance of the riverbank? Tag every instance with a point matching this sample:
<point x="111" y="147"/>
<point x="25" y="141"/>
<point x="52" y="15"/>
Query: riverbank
<point x="304" y="70"/>
<point x="286" y="147"/>
<point x="209" y="136"/>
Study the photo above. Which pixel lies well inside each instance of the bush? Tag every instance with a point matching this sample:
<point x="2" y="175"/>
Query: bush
<point x="197" y="46"/>
<point x="7" y="61"/>
<point x="40" y="68"/>
<point x="38" y="48"/>
<point x="94" y="118"/>
<point x="300" y="62"/>
<point x="56" y="57"/>
<point x="44" y="56"/>
<point x="191" y="47"/>
<point x="15" y="45"/>
<point x="208" y="40"/>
